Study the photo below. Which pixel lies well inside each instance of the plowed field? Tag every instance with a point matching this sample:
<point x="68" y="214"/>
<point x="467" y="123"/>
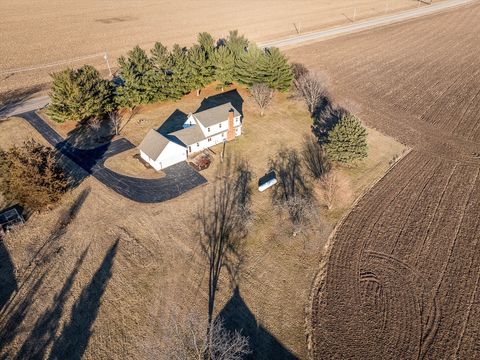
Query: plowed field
<point x="401" y="277"/>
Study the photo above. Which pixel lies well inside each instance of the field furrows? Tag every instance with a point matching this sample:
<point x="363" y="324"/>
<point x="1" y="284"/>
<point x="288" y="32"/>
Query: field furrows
<point x="402" y="278"/>
<point x="375" y="293"/>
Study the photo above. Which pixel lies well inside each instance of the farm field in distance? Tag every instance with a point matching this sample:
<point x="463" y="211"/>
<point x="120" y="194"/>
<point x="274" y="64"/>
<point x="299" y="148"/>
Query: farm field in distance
<point x="403" y="273"/>
<point x="44" y="32"/>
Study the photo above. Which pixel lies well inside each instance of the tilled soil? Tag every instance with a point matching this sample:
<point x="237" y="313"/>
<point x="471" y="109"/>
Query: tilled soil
<point x="34" y="34"/>
<point x="402" y="275"/>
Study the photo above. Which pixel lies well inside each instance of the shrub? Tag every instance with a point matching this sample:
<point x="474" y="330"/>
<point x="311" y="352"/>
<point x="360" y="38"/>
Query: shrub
<point x="31" y="175"/>
<point x="347" y="141"/>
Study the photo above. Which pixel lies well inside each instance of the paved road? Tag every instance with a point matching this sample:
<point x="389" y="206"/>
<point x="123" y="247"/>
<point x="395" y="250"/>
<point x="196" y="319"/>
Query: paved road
<point x="179" y="178"/>
<point x="39" y="102"/>
<point x="367" y="24"/>
<point x="23" y="106"/>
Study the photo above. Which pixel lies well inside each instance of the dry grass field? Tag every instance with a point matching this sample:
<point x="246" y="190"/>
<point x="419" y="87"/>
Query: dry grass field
<point x="44" y="32"/>
<point x="79" y="293"/>
<point x="402" y="276"/>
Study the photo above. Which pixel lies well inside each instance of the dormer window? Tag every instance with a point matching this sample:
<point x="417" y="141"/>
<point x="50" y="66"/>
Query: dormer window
<point x="208" y="129"/>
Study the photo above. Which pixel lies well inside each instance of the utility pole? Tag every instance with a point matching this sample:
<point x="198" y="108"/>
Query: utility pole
<point x="108" y="63"/>
<point x="354" y="13"/>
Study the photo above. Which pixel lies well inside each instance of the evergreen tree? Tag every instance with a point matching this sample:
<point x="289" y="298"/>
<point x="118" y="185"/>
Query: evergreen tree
<point x="236" y="44"/>
<point x="224" y="64"/>
<point x="206" y="42"/>
<point x="138" y="75"/>
<point x="181" y="72"/>
<point x="162" y="79"/>
<point x="247" y="66"/>
<point x="274" y="70"/>
<point x="347" y="141"/>
<point x="79" y="94"/>
<point x="201" y="68"/>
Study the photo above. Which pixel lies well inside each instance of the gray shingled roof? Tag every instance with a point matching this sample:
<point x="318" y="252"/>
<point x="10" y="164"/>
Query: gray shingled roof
<point x="216" y="114"/>
<point x="153" y="144"/>
<point x="188" y="136"/>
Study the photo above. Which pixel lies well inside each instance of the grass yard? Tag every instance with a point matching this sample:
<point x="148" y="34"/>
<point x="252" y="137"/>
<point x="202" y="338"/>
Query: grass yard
<point x="157" y="264"/>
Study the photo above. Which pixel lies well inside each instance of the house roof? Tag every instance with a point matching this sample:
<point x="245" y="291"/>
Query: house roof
<point x="216" y="114"/>
<point x="188" y="136"/>
<point x="153" y="144"/>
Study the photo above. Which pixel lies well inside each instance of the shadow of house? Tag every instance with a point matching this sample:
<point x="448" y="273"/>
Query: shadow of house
<point x="237" y="316"/>
<point x="231" y="96"/>
<point x="8" y="283"/>
<point x="46" y="326"/>
<point x="173" y="123"/>
<point x="73" y="341"/>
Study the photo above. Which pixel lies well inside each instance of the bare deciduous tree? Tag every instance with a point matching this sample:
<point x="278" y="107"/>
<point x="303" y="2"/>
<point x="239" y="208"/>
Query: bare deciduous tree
<point x="95" y="124"/>
<point x="311" y="87"/>
<point x="329" y="186"/>
<point x="223" y="221"/>
<point x="314" y="156"/>
<point x="188" y="339"/>
<point x="116" y="120"/>
<point x="262" y="95"/>
<point x="298" y="70"/>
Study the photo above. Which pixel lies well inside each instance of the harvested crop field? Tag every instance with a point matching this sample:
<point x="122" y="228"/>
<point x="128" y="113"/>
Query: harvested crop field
<point x="45" y="32"/>
<point x="401" y="279"/>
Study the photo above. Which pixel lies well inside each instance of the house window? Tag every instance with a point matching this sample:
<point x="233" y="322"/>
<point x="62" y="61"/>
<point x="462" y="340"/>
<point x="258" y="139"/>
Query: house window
<point x="209" y="139"/>
<point x="198" y="144"/>
<point x="208" y="129"/>
<point x="220" y="125"/>
<point x="190" y="148"/>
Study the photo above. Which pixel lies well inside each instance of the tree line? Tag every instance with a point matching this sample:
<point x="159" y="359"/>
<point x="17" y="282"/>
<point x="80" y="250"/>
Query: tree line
<point x="164" y="74"/>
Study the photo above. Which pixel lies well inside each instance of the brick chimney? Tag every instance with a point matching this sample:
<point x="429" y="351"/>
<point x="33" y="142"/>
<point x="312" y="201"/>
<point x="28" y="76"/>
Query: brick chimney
<point x="231" y="129"/>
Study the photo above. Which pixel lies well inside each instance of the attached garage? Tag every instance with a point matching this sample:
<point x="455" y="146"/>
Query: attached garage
<point x="160" y="152"/>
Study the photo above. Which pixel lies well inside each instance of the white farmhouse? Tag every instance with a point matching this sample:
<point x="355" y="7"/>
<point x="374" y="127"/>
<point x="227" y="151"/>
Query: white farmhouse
<point x="200" y="131"/>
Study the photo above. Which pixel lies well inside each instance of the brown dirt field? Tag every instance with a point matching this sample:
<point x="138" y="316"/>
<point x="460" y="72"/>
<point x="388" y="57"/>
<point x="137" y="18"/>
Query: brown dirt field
<point x="119" y="306"/>
<point x="401" y="279"/>
<point x="46" y="32"/>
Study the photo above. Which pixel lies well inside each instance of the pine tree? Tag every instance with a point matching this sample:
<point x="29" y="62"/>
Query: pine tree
<point x="347" y="141"/>
<point x="206" y="42"/>
<point x="181" y="72"/>
<point x="138" y="75"/>
<point x="274" y="70"/>
<point x="201" y="68"/>
<point x="79" y="94"/>
<point x="224" y="64"/>
<point x="236" y="44"/>
<point x="162" y="79"/>
<point x="247" y="70"/>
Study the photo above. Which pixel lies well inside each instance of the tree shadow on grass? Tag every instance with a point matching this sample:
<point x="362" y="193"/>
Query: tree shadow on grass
<point x="325" y="117"/>
<point x="73" y="341"/>
<point x="11" y="320"/>
<point x="8" y="283"/>
<point x="237" y="316"/>
<point x="46" y="326"/>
